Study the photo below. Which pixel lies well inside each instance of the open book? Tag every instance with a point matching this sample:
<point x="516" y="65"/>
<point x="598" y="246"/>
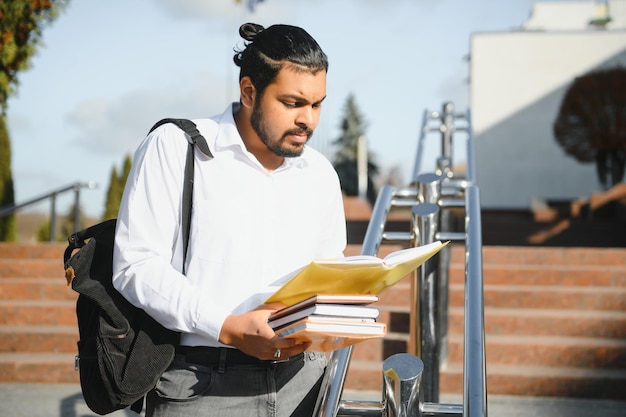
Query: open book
<point x="357" y="274"/>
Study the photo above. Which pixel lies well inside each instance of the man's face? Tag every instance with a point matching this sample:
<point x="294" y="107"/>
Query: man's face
<point x="288" y="111"/>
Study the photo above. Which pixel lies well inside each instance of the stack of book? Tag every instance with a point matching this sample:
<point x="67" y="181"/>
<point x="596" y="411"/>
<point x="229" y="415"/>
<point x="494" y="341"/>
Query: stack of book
<point x="330" y="321"/>
<point x="328" y="301"/>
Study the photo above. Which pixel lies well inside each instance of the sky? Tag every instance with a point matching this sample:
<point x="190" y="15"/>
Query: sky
<point x="108" y="70"/>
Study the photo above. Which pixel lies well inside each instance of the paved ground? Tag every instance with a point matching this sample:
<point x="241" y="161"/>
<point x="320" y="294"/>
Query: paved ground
<point x="58" y="400"/>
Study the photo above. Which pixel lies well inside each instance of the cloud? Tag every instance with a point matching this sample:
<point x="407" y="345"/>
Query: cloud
<point x="198" y="9"/>
<point x="115" y="127"/>
<point x="218" y="10"/>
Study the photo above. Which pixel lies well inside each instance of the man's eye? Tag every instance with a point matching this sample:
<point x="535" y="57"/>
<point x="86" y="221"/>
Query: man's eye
<point x="289" y="104"/>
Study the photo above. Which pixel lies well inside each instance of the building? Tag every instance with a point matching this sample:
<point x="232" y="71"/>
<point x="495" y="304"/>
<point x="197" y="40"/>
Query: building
<point x="517" y="82"/>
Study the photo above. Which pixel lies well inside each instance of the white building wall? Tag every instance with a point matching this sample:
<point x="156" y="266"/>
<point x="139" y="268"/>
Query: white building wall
<point x="518" y="80"/>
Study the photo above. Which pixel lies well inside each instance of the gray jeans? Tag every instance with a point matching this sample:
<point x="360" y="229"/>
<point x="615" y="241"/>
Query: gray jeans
<point x="283" y="389"/>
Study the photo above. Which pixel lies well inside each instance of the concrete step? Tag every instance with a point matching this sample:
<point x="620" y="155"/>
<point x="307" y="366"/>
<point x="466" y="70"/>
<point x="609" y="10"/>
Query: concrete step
<point x="569" y="297"/>
<point x="546" y="256"/>
<point x="512" y="380"/>
<point x="365" y="374"/>
<point x="38" y="312"/>
<point x="38" y="368"/>
<point x="549" y="351"/>
<point x="22" y="260"/>
<point x="511" y="321"/>
<point x="548" y="275"/>
<point x="544" y="296"/>
<point x="32" y="251"/>
<point x="36" y="338"/>
<point x="35" y="289"/>
<point x="565" y="351"/>
<point x="32" y="268"/>
<point x="554" y="328"/>
<point x="66" y="400"/>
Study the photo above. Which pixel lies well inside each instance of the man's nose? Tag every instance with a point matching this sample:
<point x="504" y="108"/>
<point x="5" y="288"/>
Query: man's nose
<point x="306" y="117"/>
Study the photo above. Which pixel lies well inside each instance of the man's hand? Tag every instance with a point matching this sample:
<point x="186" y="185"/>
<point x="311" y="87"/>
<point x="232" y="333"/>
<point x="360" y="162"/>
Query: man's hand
<point x="250" y="333"/>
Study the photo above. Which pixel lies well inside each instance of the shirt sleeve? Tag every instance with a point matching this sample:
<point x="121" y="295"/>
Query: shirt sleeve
<point x="147" y="256"/>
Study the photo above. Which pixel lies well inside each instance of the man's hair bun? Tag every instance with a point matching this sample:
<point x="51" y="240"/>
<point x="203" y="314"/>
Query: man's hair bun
<point x="248" y="31"/>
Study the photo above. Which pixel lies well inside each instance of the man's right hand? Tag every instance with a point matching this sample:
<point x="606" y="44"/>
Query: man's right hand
<point x="250" y="333"/>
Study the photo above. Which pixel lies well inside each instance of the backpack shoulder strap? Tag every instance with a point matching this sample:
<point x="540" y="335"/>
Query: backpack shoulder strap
<point x="195" y="139"/>
<point x="193" y="134"/>
<point x="77" y="239"/>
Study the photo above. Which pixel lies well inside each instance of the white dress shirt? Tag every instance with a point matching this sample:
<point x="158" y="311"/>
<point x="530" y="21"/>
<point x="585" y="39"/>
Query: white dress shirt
<point x="249" y="227"/>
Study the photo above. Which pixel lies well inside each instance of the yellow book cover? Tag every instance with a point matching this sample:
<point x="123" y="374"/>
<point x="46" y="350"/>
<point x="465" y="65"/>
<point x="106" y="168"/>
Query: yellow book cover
<point x="357" y="274"/>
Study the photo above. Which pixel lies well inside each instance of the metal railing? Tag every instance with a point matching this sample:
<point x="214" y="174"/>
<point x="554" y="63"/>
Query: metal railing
<point x="52" y="195"/>
<point x="411" y="380"/>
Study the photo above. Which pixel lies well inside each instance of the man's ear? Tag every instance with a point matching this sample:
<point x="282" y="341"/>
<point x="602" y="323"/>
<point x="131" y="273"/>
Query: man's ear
<point x="247" y="92"/>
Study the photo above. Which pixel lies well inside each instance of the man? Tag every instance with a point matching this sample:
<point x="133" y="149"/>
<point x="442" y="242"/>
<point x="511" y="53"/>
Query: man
<point x="263" y="206"/>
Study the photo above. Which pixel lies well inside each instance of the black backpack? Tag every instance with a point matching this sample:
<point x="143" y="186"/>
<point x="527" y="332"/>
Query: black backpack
<point x="122" y="351"/>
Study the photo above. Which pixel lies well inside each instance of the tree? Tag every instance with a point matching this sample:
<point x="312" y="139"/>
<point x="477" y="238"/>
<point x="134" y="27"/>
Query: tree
<point x="345" y="162"/>
<point x="8" y="231"/>
<point x="591" y="124"/>
<point x="21" y="26"/>
<point x="116" y="189"/>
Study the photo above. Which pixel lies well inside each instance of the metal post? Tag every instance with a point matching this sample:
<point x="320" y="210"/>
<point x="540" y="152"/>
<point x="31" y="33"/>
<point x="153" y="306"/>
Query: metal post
<point x="429" y="188"/>
<point x="444" y="166"/>
<point x="333" y="381"/>
<point x="361" y="163"/>
<point x="474" y="361"/>
<point x="424" y="314"/>
<point x="443" y="282"/>
<point x="76" y="208"/>
<point x="53" y="217"/>
<point x="402" y="375"/>
<point x="429" y="191"/>
<point x="447" y="130"/>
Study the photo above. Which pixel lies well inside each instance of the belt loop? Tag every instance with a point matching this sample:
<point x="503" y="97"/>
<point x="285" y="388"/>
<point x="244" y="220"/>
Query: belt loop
<point x="222" y="365"/>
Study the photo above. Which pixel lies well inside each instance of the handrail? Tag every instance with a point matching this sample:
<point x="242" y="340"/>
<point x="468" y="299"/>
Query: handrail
<point x="76" y="187"/>
<point x="434" y="192"/>
<point x="474" y="362"/>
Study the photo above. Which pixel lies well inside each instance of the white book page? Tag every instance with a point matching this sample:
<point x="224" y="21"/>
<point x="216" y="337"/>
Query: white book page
<point x="355" y="259"/>
<point x="404" y="255"/>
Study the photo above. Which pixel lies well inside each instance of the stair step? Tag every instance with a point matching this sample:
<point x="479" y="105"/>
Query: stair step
<point x="522" y="321"/>
<point x="595" y="258"/>
<point x="514" y="350"/>
<point x="32" y="339"/>
<point x="546" y="322"/>
<point x="584" y="352"/>
<point x="555" y="321"/>
<point x="540" y="296"/>
<point x="28" y="312"/>
<point x="32" y="251"/>
<point x="520" y="296"/>
<point x="35" y="289"/>
<point x="544" y="381"/>
<point x="32" y="268"/>
<point x="511" y="380"/>
<point x="38" y="368"/>
<point x="550" y="275"/>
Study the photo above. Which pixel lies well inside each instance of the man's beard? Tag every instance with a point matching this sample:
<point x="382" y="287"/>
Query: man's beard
<point x="277" y="148"/>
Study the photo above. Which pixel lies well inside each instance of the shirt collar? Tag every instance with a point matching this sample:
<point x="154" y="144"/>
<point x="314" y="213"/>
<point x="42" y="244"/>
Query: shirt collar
<point x="228" y="137"/>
